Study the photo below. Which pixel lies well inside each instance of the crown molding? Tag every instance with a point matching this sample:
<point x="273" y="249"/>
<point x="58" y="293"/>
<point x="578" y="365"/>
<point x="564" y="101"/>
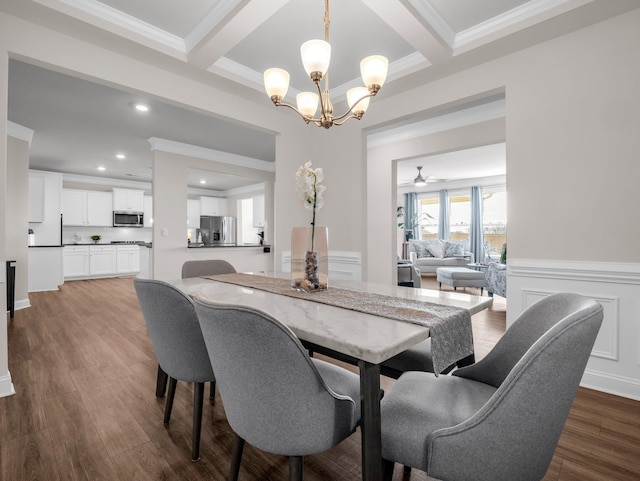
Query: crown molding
<point x="180" y="148"/>
<point x="120" y="19"/>
<point x="473" y="115"/>
<point x="87" y="179"/>
<point x="209" y="22"/>
<point x="19" y="132"/>
<point x="527" y="12"/>
<point x="435" y="20"/>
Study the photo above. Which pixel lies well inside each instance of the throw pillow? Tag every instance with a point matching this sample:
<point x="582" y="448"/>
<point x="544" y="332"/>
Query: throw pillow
<point x="452" y="249"/>
<point x="436" y="248"/>
<point x="420" y="248"/>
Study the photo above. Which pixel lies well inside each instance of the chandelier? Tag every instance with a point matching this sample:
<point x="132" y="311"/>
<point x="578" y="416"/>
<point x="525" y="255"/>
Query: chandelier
<point x="316" y="55"/>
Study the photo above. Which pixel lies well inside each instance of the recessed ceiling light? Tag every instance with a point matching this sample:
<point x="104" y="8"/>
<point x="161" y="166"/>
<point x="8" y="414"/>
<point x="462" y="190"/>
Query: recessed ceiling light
<point x="142" y="108"/>
<point x="203" y="181"/>
<point x="102" y="168"/>
<point x="121" y="156"/>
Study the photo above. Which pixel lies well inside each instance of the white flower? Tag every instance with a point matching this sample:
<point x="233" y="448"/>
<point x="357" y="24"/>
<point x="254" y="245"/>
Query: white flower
<point x="309" y="188"/>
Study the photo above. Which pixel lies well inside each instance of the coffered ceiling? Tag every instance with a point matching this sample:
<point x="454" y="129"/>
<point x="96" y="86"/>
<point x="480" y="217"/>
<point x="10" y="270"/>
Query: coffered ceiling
<point x="233" y="41"/>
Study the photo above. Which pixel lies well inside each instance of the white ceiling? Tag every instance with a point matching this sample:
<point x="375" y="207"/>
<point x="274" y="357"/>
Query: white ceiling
<point x="79" y="125"/>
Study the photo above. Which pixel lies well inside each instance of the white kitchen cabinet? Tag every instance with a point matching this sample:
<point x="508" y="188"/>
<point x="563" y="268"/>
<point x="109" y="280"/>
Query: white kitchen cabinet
<point x="75" y="261"/>
<point x="193" y="213"/>
<point x="213" y="206"/>
<point x="128" y="200"/>
<point x="99" y="209"/>
<point x="102" y="260"/>
<point x="36" y="197"/>
<point x="128" y="259"/>
<point x="86" y="208"/>
<point x="258" y="211"/>
<point x="74" y="207"/>
<point x="148" y="211"/>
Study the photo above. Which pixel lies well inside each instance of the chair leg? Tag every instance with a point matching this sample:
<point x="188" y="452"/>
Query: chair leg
<point x="212" y="391"/>
<point x="387" y="470"/>
<point x="236" y="458"/>
<point x="169" y="402"/>
<point x="198" y="399"/>
<point x="407" y="470"/>
<point x="161" y="382"/>
<point x="295" y="468"/>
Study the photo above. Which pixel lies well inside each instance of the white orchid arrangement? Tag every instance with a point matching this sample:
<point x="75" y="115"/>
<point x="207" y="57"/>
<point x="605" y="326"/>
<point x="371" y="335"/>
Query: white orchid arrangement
<point x="310" y="191"/>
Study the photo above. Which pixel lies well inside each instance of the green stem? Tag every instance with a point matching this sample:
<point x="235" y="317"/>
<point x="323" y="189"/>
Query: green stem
<point x="313" y="218"/>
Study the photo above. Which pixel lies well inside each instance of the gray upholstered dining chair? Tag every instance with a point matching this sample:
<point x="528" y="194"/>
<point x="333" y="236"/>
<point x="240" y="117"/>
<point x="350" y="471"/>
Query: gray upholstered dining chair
<point x="196" y="268"/>
<point x="275" y="396"/>
<point x="416" y="358"/>
<point x="206" y="267"/>
<point x="175" y="333"/>
<point x="500" y="418"/>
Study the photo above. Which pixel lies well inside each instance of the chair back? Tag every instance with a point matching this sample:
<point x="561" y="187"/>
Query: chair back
<point x="533" y="323"/>
<point x="174" y="330"/>
<point x="514" y="435"/>
<point x="273" y="395"/>
<point x="207" y="267"/>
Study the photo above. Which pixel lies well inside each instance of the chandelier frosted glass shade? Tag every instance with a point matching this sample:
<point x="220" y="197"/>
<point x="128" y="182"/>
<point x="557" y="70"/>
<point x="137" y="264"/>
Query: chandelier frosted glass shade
<point x="358" y="100"/>
<point x="307" y="103"/>
<point x="374" y="71"/>
<point x="316" y="55"/>
<point x="276" y="82"/>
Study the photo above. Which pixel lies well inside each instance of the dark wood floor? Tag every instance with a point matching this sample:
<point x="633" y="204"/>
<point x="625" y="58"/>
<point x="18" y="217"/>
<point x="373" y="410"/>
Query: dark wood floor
<point x="84" y="372"/>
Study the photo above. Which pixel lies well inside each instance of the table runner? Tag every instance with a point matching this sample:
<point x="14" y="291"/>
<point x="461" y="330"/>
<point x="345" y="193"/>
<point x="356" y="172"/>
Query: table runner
<point x="449" y="327"/>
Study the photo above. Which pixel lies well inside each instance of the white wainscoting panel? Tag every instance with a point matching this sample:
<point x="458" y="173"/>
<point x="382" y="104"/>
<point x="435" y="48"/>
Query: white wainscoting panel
<point x="614" y="365"/>
<point x="343" y="265"/>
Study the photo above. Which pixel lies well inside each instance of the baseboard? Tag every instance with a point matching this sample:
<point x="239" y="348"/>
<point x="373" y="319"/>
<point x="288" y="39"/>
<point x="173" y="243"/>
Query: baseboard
<point x="612" y="384"/>
<point x="6" y="386"/>
<point x="22" y="304"/>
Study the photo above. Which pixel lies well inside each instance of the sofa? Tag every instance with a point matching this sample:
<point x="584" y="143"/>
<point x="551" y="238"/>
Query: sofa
<point x="428" y="255"/>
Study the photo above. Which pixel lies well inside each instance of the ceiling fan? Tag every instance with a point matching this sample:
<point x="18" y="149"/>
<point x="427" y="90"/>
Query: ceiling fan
<point x="420" y="180"/>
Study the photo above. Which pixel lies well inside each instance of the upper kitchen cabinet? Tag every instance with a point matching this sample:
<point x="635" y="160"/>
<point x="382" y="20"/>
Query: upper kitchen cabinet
<point x="213" y="206"/>
<point x="128" y="200"/>
<point x="86" y="208"/>
<point x="36" y="197"/>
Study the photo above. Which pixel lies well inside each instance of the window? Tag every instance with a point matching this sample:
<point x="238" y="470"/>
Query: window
<point x="494" y="219"/>
<point x="429" y="204"/>
<point x="494" y="216"/>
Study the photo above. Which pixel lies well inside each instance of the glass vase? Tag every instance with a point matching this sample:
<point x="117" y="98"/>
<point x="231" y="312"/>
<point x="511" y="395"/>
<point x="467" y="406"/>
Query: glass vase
<point x="309" y="258"/>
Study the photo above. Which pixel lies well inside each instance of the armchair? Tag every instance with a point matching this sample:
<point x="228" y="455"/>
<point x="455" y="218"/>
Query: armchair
<point x="496" y="279"/>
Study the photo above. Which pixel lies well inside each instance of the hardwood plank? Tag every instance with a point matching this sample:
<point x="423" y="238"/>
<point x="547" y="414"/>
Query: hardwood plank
<point x="28" y="457"/>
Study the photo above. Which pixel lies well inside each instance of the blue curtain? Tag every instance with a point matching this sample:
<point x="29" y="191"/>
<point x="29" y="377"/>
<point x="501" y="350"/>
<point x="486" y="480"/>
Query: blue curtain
<point x="476" y="236"/>
<point x="410" y="212"/>
<point x="443" y="221"/>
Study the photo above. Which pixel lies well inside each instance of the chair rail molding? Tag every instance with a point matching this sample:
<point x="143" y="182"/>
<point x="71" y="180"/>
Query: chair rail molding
<point x="614" y="365"/>
<point x="343" y="265"/>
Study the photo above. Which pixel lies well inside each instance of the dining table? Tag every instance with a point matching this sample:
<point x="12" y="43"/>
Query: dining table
<point x="363" y="337"/>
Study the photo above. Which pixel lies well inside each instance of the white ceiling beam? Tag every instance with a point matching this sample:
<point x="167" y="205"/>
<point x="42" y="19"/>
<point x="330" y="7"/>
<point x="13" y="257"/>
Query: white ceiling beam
<point x="404" y="22"/>
<point x="245" y="20"/>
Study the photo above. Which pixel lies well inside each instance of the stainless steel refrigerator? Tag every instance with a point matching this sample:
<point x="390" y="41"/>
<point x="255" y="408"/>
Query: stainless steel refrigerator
<point x="218" y="230"/>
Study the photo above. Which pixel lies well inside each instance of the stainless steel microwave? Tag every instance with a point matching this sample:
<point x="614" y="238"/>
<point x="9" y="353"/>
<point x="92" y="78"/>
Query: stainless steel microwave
<point x="128" y="219"/>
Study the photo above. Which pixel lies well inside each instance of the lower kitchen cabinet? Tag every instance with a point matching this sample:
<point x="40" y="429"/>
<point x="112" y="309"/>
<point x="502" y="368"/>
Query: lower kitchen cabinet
<point x="127" y="259"/>
<point x="102" y="260"/>
<point x="75" y="261"/>
<point x="83" y="262"/>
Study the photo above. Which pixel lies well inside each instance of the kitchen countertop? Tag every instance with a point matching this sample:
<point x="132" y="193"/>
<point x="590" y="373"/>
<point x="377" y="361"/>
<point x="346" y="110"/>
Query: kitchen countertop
<point x="195" y="245"/>
<point x="141" y="244"/>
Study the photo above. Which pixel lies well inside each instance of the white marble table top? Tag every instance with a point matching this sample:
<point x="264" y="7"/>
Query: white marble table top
<point x="363" y="336"/>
